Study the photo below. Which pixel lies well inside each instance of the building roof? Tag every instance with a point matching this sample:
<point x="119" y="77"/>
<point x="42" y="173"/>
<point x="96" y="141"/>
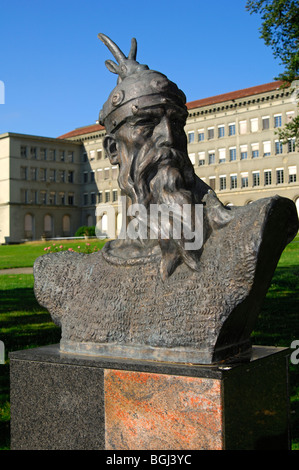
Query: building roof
<point x="233" y="95"/>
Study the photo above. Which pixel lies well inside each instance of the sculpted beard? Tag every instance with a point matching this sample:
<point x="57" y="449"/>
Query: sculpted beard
<point x="164" y="176"/>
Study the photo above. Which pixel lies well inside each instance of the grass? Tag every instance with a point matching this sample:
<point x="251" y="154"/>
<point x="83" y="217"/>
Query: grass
<point x="24" y="324"/>
<point x="24" y="255"/>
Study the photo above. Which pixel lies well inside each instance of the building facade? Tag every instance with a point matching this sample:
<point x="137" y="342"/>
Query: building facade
<point x="49" y="187"/>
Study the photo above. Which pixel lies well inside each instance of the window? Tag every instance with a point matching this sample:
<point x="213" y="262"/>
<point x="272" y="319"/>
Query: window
<point x="232" y="129"/>
<point x="52" y="198"/>
<point x="221" y="131"/>
<point x="243" y="152"/>
<point x="92" y="155"/>
<point x="233" y="181"/>
<point x="114" y="195"/>
<point x="71" y="199"/>
<point x="43" y="154"/>
<point x="70" y="177"/>
<point x="70" y="156"/>
<point x="92" y="177"/>
<point x="61" y="155"/>
<point x="292" y="174"/>
<point x="243" y="127"/>
<point x="99" y="154"/>
<point x="62" y="176"/>
<point x="254" y="150"/>
<point x="107" y="196"/>
<point x="85" y="177"/>
<point x="100" y="197"/>
<point x="84" y="158"/>
<point x="210" y="133"/>
<point x="211" y="157"/>
<point x="23" y="151"/>
<point x="244" y="180"/>
<point x="34" y="196"/>
<point x="85" y="199"/>
<point x="279" y="176"/>
<point x="106" y="173"/>
<point x="278" y="147"/>
<point x="190" y="137"/>
<point x="201" y="135"/>
<point x="254" y="125"/>
<point x="212" y="181"/>
<point x="291" y="145"/>
<point x="62" y="198"/>
<point x="201" y="158"/>
<point x="222" y="182"/>
<point x="51" y="155"/>
<point x="265" y="122"/>
<point x="232" y="154"/>
<point x="267" y="177"/>
<point x="33" y="152"/>
<point x="92" y="198"/>
<point x="221" y="155"/>
<point x="192" y="158"/>
<point x="52" y="175"/>
<point x="24" y="172"/>
<point x="267" y="149"/>
<point x="43" y="197"/>
<point x="255" y="178"/>
<point x="277" y="120"/>
<point x="43" y="174"/>
<point x="289" y="116"/>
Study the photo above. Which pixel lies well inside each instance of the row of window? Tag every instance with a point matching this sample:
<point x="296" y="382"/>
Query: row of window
<point x="102" y="196"/>
<point x="242" y="127"/>
<point x="94" y="155"/>
<point x="254" y="150"/>
<point x="31" y="196"/>
<point x="101" y="174"/>
<point x="50" y="154"/>
<point x="29" y="224"/>
<point x="269" y="176"/>
<point x="47" y="175"/>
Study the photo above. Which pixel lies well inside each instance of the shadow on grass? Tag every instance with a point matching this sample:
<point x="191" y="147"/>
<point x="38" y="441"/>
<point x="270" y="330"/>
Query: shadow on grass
<point x="23" y="324"/>
<point x="278" y="325"/>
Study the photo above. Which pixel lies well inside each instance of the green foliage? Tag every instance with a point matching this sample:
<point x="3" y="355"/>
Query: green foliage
<point x="280" y="31"/>
<point x="84" y="230"/>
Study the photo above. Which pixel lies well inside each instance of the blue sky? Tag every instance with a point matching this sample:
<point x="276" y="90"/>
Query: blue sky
<point x="52" y="63"/>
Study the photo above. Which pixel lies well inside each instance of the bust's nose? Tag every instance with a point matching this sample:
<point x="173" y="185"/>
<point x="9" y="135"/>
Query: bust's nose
<point x="164" y="133"/>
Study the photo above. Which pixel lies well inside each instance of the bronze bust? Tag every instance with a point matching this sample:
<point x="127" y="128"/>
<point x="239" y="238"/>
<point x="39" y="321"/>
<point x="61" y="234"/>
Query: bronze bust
<point x="153" y="297"/>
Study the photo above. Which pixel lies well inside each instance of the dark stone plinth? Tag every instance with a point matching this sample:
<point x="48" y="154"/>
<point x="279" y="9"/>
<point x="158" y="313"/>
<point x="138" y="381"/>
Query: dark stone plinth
<point x="64" y="401"/>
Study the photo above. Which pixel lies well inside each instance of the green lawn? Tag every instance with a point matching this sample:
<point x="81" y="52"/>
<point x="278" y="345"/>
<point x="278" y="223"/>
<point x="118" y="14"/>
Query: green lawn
<point x="24" y="324"/>
<point x="24" y="255"/>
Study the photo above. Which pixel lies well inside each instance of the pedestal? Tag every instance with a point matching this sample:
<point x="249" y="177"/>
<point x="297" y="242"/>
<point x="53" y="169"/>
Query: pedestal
<point x="63" y="401"/>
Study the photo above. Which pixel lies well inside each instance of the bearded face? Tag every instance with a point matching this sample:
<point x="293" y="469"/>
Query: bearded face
<point x="154" y="169"/>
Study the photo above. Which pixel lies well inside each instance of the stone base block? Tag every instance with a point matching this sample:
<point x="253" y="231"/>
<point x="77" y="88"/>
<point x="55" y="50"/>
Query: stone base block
<point x="64" y="401"/>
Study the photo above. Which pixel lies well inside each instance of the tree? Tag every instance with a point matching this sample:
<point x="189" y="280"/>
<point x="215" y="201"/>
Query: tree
<point x="280" y="31"/>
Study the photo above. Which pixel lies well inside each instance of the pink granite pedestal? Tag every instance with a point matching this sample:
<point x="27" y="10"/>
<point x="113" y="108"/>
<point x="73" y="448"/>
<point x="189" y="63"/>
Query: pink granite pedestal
<point x="63" y="401"/>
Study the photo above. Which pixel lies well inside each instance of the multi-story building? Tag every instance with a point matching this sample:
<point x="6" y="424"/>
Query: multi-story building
<point x="52" y="186"/>
<point x="40" y="187"/>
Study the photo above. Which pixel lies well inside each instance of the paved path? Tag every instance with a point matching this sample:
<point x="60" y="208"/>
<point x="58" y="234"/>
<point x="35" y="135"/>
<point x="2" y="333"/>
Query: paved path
<point x="17" y="271"/>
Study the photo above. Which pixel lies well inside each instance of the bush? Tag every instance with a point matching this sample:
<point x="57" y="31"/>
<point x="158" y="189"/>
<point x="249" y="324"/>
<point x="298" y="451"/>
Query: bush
<point x="84" y="230"/>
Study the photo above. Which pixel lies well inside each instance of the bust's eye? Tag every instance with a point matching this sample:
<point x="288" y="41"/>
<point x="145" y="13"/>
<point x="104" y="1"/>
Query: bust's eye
<point x="145" y="122"/>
